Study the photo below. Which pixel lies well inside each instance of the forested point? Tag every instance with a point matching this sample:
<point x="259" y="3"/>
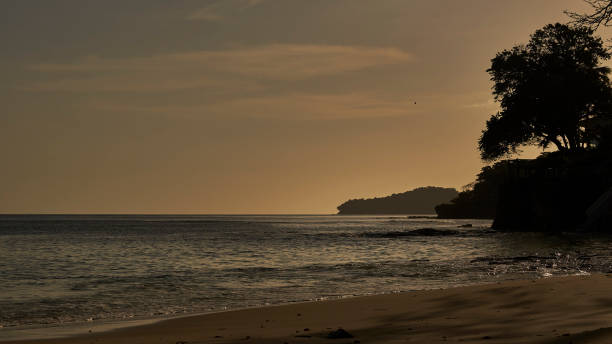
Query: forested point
<point x="418" y="201"/>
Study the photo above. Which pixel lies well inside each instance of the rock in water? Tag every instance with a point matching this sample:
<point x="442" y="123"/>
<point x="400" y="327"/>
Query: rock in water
<point x="339" y="333"/>
<point x="432" y="232"/>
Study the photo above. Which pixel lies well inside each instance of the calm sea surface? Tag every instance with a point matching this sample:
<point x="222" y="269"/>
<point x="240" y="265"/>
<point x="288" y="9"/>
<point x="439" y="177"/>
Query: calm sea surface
<point x="58" y="270"/>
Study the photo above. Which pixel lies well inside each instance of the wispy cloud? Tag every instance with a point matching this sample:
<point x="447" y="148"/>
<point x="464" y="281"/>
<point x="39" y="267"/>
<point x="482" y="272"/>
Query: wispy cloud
<point x="286" y="106"/>
<point x="206" y="14"/>
<point x="142" y="83"/>
<point x="319" y="106"/>
<point x="488" y="104"/>
<point x="219" y="68"/>
<point x="237" y="82"/>
<point x="220" y="10"/>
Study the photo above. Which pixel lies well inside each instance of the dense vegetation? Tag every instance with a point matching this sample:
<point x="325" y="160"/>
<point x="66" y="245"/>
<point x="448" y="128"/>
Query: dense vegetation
<point x="478" y="200"/>
<point x="418" y="201"/>
<point x="552" y="91"/>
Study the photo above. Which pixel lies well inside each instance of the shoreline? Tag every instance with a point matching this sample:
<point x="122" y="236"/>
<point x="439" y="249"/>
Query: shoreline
<point x="74" y="329"/>
<point x="550" y="310"/>
<point x="66" y="330"/>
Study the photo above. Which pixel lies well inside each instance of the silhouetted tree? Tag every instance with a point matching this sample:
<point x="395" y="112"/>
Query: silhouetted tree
<point x="602" y="14"/>
<point x="552" y="91"/>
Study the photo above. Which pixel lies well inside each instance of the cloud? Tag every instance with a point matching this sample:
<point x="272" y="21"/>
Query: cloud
<point x="488" y="104"/>
<point x="139" y="84"/>
<point x="205" y="14"/>
<point x="302" y="106"/>
<point x="318" y="106"/>
<point x="240" y="82"/>
<point x="218" y="11"/>
<point x="220" y="68"/>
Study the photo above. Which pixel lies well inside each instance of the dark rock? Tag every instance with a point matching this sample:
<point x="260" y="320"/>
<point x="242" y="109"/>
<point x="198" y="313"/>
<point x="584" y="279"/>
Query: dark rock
<point x="416" y="232"/>
<point x="432" y="232"/>
<point x="339" y="333"/>
<point x="467" y="225"/>
<point x="599" y="214"/>
<point x="556" y="193"/>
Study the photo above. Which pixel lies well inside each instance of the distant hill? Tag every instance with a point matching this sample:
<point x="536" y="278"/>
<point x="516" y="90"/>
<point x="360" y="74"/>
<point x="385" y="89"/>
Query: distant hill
<point x="418" y="201"/>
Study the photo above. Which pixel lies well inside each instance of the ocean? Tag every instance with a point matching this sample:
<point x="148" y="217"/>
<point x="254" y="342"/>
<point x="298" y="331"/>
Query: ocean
<point x="65" y="270"/>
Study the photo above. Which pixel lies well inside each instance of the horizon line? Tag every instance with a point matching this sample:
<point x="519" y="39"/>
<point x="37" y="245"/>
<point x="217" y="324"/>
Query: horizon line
<point x="145" y="213"/>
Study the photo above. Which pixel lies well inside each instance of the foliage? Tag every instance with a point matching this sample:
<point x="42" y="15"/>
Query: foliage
<point x="478" y="200"/>
<point x="550" y="92"/>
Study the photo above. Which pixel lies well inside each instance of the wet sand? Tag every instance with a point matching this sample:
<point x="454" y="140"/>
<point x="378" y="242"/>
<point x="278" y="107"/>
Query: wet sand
<point x="575" y="309"/>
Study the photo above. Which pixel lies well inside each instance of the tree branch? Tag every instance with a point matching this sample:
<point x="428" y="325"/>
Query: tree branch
<point x="602" y="14"/>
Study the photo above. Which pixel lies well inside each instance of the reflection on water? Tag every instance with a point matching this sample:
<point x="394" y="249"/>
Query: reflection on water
<point x="65" y="269"/>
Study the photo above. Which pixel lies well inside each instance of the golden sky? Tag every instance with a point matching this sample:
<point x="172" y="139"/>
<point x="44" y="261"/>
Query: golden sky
<point x="245" y="106"/>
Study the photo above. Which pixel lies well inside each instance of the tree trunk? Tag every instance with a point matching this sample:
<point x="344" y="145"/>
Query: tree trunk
<point x="557" y="143"/>
<point x="565" y="144"/>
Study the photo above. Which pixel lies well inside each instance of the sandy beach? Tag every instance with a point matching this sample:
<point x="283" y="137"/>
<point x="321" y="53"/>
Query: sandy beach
<point x="575" y="309"/>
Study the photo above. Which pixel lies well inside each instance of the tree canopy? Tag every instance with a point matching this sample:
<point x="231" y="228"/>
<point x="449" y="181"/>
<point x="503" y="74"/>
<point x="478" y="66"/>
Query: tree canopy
<point x="552" y="91"/>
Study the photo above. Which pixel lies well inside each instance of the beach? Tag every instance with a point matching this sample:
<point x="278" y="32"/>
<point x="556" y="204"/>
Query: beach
<point x="574" y="309"/>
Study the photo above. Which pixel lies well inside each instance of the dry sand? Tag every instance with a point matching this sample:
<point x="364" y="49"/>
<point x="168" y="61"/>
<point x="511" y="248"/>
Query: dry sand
<point x="554" y="310"/>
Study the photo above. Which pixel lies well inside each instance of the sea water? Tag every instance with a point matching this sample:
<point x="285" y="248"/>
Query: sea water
<point x="58" y="270"/>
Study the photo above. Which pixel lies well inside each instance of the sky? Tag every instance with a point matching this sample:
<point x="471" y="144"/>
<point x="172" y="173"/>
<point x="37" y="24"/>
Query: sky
<point x="246" y="106"/>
